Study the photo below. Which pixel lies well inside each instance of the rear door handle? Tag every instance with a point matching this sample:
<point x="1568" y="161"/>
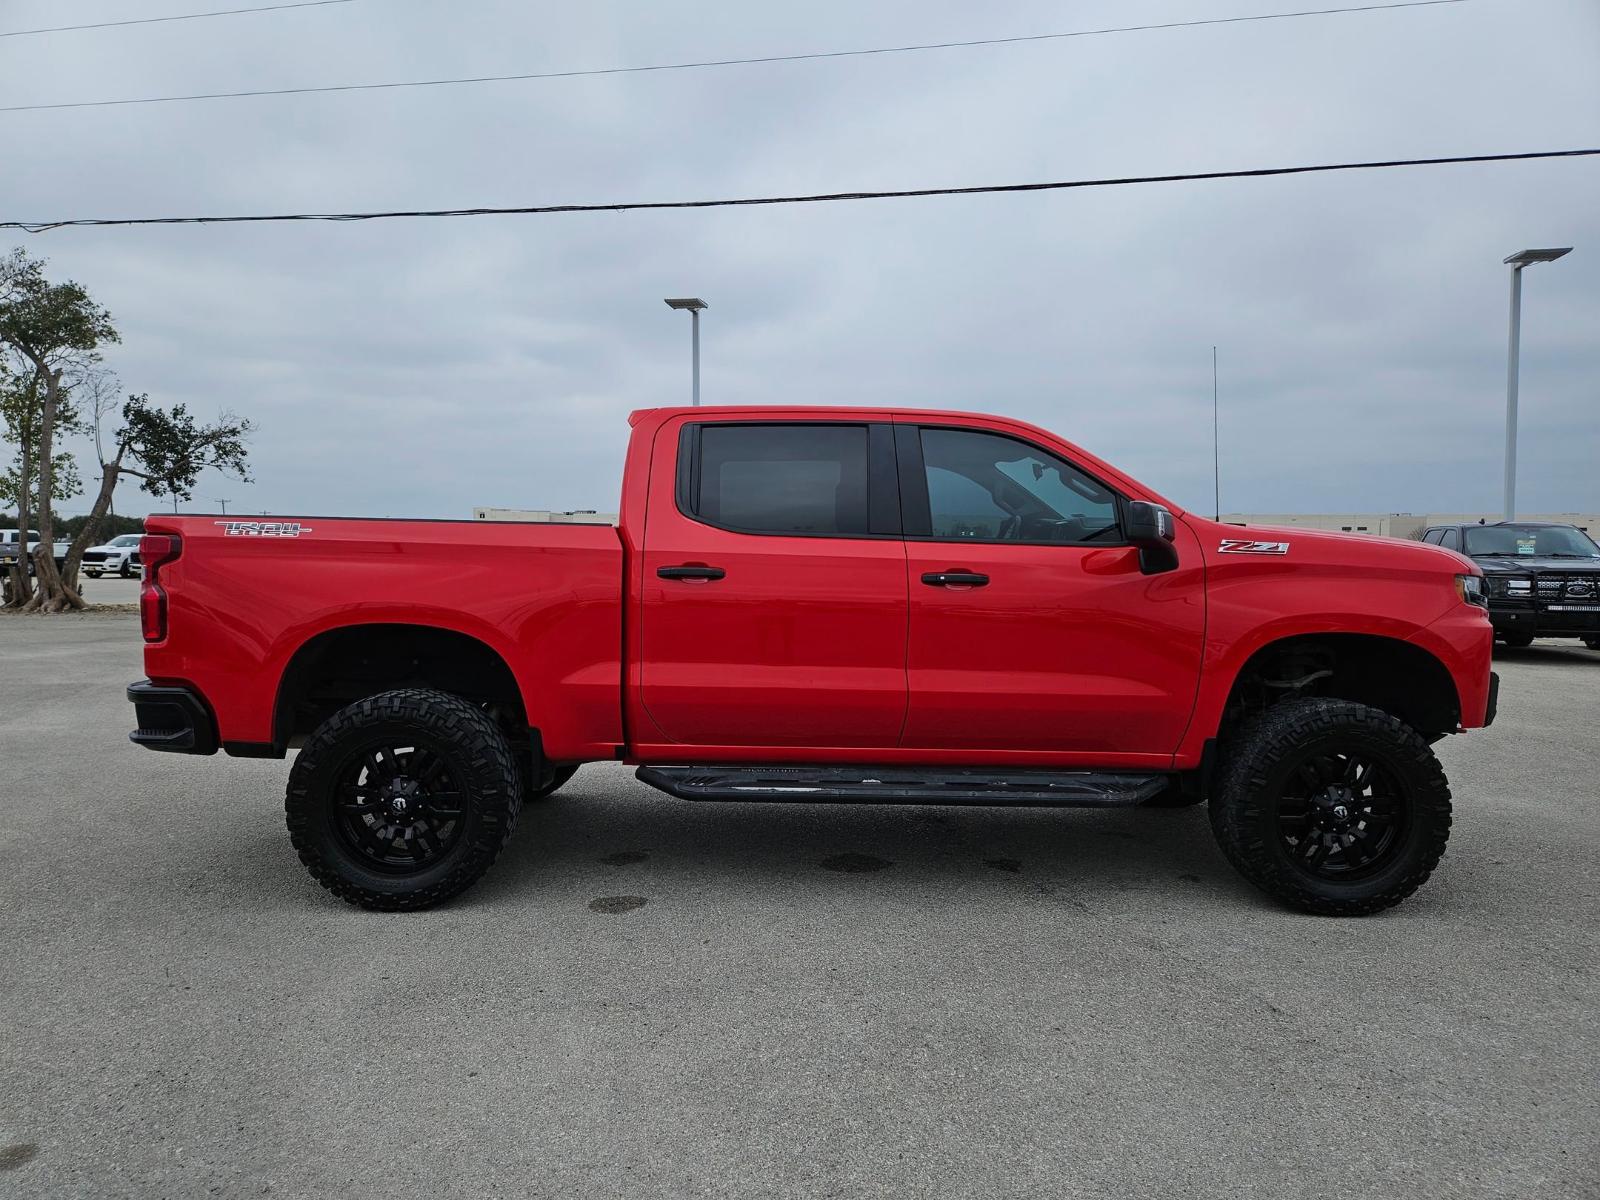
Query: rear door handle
<point x="955" y="579"/>
<point x="690" y="572"/>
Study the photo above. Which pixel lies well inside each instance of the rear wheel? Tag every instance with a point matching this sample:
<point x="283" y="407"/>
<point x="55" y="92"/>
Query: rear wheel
<point x="1333" y="807"/>
<point x="1518" y="640"/>
<point x="402" y="800"/>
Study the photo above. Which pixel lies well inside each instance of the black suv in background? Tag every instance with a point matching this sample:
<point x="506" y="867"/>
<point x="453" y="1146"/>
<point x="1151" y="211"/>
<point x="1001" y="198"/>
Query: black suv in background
<point x="1543" y="579"/>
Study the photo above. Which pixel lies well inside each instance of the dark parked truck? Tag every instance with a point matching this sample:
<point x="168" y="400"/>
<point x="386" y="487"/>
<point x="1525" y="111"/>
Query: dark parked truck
<point x="828" y="604"/>
<point x="1542" y="578"/>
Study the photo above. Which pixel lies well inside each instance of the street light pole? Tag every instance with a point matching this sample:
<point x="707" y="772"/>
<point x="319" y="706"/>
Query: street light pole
<point x="693" y="305"/>
<point x="1514" y="364"/>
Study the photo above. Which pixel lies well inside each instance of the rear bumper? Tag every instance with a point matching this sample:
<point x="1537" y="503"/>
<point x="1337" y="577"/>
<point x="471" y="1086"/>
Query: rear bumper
<point x="173" y="719"/>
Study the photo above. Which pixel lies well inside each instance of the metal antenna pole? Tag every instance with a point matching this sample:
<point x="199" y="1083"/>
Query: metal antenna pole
<point x="1216" y="445"/>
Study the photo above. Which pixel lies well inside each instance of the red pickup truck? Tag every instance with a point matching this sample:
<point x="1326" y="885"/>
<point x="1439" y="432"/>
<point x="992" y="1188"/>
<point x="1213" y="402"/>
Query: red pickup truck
<point x="828" y="604"/>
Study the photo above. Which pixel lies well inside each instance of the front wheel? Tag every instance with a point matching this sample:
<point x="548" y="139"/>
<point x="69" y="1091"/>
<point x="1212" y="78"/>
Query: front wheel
<point x="403" y="800"/>
<point x="1517" y="640"/>
<point x="1592" y="641"/>
<point x="1333" y="807"/>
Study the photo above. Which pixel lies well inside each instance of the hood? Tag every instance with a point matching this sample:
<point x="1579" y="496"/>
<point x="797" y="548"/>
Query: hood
<point x="1536" y="564"/>
<point x="1302" y="544"/>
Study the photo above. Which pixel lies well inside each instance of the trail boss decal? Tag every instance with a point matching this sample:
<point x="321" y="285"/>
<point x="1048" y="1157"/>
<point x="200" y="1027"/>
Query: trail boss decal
<point x="1247" y="546"/>
<point x="273" y="529"/>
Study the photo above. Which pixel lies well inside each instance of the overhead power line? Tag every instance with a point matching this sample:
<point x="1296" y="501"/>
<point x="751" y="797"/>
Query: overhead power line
<point x="230" y="12"/>
<point x="818" y="198"/>
<point x="723" y="62"/>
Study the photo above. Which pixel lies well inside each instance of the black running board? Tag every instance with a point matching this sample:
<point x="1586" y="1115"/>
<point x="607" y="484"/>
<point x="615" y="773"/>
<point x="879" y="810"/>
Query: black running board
<point x="905" y="785"/>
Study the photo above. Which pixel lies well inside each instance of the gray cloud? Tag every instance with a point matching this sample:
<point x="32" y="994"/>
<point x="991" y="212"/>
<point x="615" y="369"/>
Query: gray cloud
<point x="421" y="367"/>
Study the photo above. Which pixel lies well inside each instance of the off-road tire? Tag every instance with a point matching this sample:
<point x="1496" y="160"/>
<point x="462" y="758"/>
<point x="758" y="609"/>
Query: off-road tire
<point x="1259" y="760"/>
<point x="478" y="755"/>
<point x="1517" y="641"/>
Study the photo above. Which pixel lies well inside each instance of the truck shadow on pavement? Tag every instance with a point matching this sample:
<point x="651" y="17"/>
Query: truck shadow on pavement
<point x="590" y="836"/>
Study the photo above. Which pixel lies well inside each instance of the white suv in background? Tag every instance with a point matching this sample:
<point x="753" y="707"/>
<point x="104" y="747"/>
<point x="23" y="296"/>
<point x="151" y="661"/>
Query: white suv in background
<point x="119" y="556"/>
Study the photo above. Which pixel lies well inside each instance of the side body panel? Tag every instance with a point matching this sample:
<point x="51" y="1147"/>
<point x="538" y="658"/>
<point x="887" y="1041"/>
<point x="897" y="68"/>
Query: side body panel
<point x="801" y="642"/>
<point x="1330" y="583"/>
<point x="546" y="598"/>
<point x="1067" y="649"/>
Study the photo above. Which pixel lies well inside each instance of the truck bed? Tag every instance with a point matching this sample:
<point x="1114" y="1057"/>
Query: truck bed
<point x="246" y="594"/>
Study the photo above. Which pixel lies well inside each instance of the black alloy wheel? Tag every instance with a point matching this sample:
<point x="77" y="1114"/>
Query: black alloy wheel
<point x="1342" y="814"/>
<point x="1334" y="807"/>
<point x="399" y="806"/>
<point x="403" y="799"/>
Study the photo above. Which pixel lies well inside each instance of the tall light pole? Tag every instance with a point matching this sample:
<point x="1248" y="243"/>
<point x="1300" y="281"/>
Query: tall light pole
<point x="1514" y="361"/>
<point x="694" y="305"/>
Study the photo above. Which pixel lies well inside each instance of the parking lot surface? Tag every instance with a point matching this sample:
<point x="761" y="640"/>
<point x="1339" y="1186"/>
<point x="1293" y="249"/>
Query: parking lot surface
<point x="809" y="1001"/>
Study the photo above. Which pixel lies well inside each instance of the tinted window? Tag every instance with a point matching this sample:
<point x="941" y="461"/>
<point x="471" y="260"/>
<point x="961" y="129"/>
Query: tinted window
<point x="1432" y="536"/>
<point x="991" y="488"/>
<point x="772" y="478"/>
<point x="1451" y="539"/>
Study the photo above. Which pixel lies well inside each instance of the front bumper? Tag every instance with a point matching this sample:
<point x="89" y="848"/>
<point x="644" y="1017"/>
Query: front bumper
<point x="1560" y="620"/>
<point x="173" y="719"/>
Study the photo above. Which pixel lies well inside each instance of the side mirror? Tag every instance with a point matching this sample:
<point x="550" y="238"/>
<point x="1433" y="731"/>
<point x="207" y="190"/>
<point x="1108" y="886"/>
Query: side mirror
<point x="1152" y="529"/>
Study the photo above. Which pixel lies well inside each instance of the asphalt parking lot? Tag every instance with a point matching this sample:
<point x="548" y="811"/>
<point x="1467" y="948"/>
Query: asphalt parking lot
<point x="1011" y="1002"/>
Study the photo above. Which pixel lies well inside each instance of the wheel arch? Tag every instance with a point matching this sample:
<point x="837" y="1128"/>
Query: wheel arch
<point x="346" y="663"/>
<point x="1387" y="673"/>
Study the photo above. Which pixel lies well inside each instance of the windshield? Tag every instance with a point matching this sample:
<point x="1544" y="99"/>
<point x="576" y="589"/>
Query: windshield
<point x="1531" y="541"/>
<point x="127" y="539"/>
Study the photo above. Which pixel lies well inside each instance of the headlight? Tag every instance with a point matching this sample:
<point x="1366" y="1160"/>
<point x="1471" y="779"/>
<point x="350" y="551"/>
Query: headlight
<point x="1470" y="589"/>
<point x="1514" y="587"/>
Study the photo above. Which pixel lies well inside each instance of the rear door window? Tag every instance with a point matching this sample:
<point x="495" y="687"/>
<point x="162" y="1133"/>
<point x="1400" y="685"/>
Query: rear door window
<point x="782" y="479"/>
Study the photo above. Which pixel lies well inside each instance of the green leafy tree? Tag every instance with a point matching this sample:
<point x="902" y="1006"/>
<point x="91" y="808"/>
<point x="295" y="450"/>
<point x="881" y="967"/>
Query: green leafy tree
<point x="165" y="450"/>
<point x="50" y="334"/>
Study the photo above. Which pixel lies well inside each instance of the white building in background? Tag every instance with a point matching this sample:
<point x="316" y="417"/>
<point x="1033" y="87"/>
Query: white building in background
<point x="1402" y="525"/>
<point x="545" y="516"/>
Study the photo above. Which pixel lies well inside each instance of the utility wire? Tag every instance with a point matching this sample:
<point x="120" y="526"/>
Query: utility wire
<point x="825" y="197"/>
<point x="230" y="12"/>
<point x="723" y="62"/>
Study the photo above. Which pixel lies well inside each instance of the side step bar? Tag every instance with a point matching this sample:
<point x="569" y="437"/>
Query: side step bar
<point x="905" y="785"/>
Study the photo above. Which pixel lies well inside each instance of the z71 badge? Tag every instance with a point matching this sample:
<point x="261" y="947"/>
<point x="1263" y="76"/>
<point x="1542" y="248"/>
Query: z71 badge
<point x="273" y="529"/>
<point x="1247" y="546"/>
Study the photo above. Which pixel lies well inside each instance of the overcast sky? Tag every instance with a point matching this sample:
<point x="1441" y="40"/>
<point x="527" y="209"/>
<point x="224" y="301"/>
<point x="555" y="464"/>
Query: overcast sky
<point x="420" y="367"/>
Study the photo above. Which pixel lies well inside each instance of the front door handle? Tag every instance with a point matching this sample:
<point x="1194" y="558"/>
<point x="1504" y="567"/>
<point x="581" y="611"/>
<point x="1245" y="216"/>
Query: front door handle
<point x="955" y="579"/>
<point x="690" y="572"/>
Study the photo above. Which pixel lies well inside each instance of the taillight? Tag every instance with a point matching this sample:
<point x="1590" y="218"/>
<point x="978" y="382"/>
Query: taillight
<point x="155" y="551"/>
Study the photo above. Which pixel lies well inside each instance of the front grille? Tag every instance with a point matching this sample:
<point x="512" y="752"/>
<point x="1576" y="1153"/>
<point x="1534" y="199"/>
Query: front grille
<point x="1584" y="589"/>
